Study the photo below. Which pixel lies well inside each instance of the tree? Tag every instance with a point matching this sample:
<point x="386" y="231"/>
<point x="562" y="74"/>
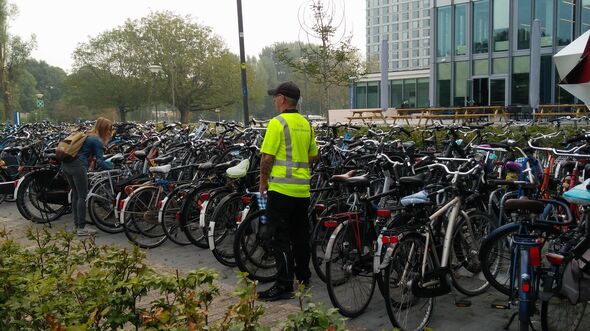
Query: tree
<point x="331" y="61"/>
<point x="200" y="73"/>
<point x="13" y="53"/>
<point x="110" y="71"/>
<point x="199" y="68"/>
<point x="50" y="82"/>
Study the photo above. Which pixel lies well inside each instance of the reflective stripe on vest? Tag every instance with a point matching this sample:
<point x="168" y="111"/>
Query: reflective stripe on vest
<point x="288" y="163"/>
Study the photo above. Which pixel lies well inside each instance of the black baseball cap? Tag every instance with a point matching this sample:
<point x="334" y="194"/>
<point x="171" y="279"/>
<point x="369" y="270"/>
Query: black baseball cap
<point x="288" y="89"/>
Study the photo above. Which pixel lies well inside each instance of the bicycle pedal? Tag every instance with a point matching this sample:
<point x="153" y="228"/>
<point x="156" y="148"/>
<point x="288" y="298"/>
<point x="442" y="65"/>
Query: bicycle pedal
<point x="500" y="305"/>
<point x="463" y="303"/>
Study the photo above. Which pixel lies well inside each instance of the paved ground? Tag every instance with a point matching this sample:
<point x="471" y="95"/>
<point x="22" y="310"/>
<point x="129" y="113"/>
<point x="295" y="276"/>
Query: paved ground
<point x="170" y="257"/>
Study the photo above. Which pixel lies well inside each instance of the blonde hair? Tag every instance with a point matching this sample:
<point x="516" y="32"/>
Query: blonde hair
<point x="103" y="129"/>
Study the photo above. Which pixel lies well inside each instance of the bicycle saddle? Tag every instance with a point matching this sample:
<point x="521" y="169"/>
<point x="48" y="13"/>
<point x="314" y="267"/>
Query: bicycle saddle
<point x="419" y="198"/>
<point x="164" y="160"/>
<point x="408" y="144"/>
<point x="524" y="204"/>
<point x="513" y="166"/>
<point x="161" y="169"/>
<point x="343" y="177"/>
<point x="116" y="158"/>
<point x="139" y="154"/>
<point x="358" y="181"/>
<point x="240" y="170"/>
<point x="417" y="179"/>
<point x="225" y="165"/>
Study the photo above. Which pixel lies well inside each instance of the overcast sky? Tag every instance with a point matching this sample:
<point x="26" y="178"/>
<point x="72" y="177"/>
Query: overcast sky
<point x="61" y="24"/>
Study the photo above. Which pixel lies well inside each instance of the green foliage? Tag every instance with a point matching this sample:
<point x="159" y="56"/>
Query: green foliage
<point x="313" y="317"/>
<point x="62" y="284"/>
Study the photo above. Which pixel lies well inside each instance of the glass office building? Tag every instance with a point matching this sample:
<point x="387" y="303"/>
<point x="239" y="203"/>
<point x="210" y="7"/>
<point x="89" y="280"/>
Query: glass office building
<point x="481" y="49"/>
<point x="406" y="25"/>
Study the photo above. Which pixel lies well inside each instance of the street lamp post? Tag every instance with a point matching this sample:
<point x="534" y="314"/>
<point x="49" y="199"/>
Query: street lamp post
<point x="155" y="69"/>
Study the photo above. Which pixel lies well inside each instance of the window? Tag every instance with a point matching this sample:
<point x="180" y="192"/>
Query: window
<point x="500" y="66"/>
<point x="410" y="92"/>
<point x="444" y="84"/>
<point x="415" y="33"/>
<point x="524" y="20"/>
<point x="373" y="95"/>
<point x="461" y="77"/>
<point x="396" y="93"/>
<point x="585" y="18"/>
<point x="422" y="92"/>
<point x="565" y="22"/>
<point x="443" y="48"/>
<point x="544" y="12"/>
<point x="460" y="29"/>
<point x="501" y="18"/>
<point x="545" y="88"/>
<point x="520" y="80"/>
<point x="480" y="26"/>
<point x="361" y="96"/>
<point x="480" y="68"/>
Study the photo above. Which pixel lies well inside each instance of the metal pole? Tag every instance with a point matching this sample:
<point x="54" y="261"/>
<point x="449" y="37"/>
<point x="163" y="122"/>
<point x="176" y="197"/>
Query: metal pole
<point x="173" y="87"/>
<point x="535" y="70"/>
<point x="384" y="71"/>
<point x="243" y="64"/>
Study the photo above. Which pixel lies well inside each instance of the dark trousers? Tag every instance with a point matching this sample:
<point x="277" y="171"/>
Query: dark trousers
<point x="77" y="176"/>
<point x="288" y="226"/>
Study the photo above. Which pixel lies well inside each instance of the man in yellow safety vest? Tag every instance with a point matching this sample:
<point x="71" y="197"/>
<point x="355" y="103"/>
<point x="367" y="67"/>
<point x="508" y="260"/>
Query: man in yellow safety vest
<point x="287" y="152"/>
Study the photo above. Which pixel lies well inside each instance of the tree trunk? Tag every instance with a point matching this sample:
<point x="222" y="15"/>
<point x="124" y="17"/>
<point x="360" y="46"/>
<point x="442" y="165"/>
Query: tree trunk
<point x="7" y="104"/>
<point x="183" y="115"/>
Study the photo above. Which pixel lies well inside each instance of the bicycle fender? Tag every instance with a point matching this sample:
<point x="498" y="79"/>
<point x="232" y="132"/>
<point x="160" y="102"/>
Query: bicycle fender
<point x="328" y="255"/>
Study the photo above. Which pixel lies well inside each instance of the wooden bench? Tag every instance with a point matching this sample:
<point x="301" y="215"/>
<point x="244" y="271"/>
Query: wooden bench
<point x="575" y="110"/>
<point x="370" y="114"/>
<point x="407" y="118"/>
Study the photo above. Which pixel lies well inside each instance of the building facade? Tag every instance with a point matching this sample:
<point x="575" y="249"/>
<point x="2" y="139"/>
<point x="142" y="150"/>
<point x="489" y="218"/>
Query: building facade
<point x="481" y="49"/>
<point x="476" y="52"/>
<point x="406" y="25"/>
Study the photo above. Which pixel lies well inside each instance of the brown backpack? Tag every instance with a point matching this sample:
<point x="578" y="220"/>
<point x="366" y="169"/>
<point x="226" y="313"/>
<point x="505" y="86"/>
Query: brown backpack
<point x="68" y="148"/>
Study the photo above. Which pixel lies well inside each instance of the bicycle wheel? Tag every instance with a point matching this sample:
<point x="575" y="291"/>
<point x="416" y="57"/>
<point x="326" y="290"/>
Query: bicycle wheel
<point x="141" y="218"/>
<point x="495" y="254"/>
<point x="349" y="271"/>
<point x="189" y="218"/>
<point x="251" y="252"/>
<point x="558" y="314"/>
<point x="467" y="273"/>
<point x="42" y="196"/>
<point x="223" y="227"/>
<point x="405" y="310"/>
<point x="100" y="207"/>
<point x="169" y="217"/>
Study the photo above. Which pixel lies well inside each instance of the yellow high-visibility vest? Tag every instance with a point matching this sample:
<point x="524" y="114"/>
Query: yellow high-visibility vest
<point x="290" y="173"/>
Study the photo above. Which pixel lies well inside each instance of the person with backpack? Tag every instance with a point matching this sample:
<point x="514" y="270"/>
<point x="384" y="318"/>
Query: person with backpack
<point x="75" y="169"/>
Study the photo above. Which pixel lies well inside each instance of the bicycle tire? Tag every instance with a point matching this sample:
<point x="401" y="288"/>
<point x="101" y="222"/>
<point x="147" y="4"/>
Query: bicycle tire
<point x="31" y="188"/>
<point x="169" y="217"/>
<point x="355" y="267"/>
<point x="572" y="314"/>
<point x="141" y="218"/>
<point x="251" y="254"/>
<point x="496" y="242"/>
<point x="189" y="216"/>
<point x="100" y="200"/>
<point x="223" y="227"/>
<point x="470" y="230"/>
<point x="399" y="300"/>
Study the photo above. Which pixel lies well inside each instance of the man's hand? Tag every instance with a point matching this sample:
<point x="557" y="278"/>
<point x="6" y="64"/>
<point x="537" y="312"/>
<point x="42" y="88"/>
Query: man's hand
<point x="266" y="162"/>
<point x="263" y="188"/>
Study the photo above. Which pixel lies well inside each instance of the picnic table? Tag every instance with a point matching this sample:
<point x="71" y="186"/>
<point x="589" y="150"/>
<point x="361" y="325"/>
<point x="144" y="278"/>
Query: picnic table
<point x="370" y="114"/>
<point x="425" y="115"/>
<point x="574" y="110"/>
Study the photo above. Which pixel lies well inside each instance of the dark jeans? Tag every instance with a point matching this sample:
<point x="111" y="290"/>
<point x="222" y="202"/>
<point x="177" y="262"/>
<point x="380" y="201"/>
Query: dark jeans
<point x="288" y="225"/>
<point x="77" y="176"/>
